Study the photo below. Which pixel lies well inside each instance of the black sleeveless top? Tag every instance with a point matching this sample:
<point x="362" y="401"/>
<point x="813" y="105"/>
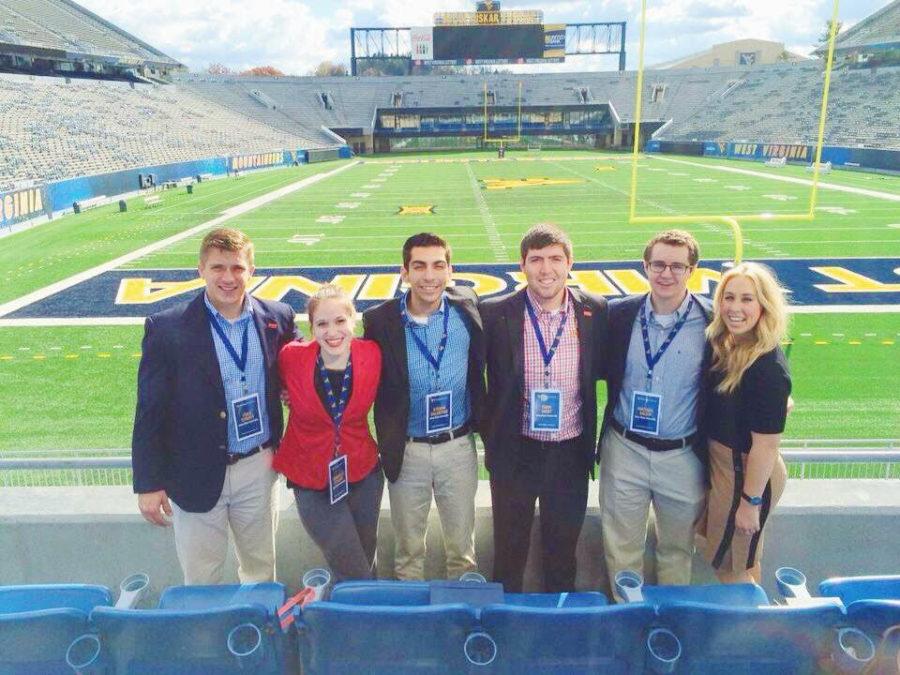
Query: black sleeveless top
<point x="758" y="404"/>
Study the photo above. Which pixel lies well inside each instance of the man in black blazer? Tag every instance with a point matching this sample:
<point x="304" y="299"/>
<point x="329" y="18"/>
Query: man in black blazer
<point x="654" y="452"/>
<point x="209" y="417"/>
<point x="428" y="402"/>
<point x="544" y="354"/>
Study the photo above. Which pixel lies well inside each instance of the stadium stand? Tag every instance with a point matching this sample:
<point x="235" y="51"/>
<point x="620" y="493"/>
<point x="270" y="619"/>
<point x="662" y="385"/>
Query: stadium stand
<point x="877" y="32"/>
<point x="70" y="36"/>
<point x="51" y="129"/>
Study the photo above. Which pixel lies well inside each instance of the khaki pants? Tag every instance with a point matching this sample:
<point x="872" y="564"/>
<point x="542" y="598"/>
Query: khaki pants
<point x="449" y="471"/>
<point x="248" y="507"/>
<point x="631" y="479"/>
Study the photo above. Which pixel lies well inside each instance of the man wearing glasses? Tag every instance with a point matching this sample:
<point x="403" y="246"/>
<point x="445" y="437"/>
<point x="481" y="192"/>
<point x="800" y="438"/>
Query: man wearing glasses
<point x="652" y="448"/>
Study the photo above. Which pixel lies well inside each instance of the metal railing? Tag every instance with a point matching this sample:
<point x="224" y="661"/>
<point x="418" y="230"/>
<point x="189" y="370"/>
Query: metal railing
<point x="806" y="459"/>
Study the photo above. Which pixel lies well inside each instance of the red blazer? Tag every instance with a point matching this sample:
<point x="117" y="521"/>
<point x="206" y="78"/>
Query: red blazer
<point x="308" y="443"/>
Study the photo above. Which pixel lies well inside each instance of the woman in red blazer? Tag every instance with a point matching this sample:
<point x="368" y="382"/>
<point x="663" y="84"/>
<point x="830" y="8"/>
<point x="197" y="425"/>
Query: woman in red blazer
<point x="327" y="454"/>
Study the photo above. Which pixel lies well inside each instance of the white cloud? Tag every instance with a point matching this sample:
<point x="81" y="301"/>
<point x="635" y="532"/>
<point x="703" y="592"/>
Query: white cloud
<point x="296" y="35"/>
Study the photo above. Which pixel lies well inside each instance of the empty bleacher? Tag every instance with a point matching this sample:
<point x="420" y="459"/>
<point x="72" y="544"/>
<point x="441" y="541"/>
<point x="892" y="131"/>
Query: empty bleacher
<point x="51" y="129"/>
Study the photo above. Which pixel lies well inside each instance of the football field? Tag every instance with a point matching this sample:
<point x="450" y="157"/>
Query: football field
<point x="75" y="290"/>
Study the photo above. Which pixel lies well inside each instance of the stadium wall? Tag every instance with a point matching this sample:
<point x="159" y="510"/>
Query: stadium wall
<point x="59" y="196"/>
<point x="839" y="156"/>
<point x="24" y="204"/>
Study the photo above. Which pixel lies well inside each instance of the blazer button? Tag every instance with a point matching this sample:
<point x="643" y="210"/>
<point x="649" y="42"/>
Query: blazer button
<point x="223" y="415"/>
<point x="221" y="447"/>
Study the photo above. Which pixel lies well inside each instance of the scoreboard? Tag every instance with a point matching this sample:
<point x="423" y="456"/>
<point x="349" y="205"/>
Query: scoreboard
<point x="489" y="36"/>
<point x="488" y="42"/>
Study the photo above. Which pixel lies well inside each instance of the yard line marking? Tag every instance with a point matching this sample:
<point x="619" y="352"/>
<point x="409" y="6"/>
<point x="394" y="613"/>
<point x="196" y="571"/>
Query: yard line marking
<point x="784" y="179"/>
<point x="498" y="248"/>
<point x="228" y="214"/>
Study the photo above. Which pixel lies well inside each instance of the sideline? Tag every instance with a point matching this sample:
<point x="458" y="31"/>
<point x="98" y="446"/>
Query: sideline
<point x="228" y="214"/>
<point x="784" y="179"/>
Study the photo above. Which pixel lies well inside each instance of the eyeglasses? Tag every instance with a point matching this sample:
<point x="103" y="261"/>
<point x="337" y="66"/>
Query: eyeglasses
<point x="677" y="269"/>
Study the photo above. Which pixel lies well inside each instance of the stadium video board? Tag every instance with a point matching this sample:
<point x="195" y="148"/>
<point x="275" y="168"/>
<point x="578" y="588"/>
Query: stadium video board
<point x="458" y="45"/>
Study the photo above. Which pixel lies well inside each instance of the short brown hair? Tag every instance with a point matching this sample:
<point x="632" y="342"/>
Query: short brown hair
<point x="227" y="239"/>
<point x="423" y="240"/>
<point x="329" y="292"/>
<point x="675" y="238"/>
<point x="543" y="235"/>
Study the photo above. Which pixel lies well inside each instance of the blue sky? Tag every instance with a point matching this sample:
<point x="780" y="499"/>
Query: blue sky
<point x="296" y="35"/>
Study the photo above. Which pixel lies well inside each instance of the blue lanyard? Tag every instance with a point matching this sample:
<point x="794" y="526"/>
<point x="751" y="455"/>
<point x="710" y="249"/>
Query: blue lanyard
<point x="336" y="405"/>
<point x="423" y="348"/>
<point x="240" y="360"/>
<point x="546" y="354"/>
<point x="651" y="359"/>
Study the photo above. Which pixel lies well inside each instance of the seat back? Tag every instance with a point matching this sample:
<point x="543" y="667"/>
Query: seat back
<point x="338" y="638"/>
<point x="386" y="593"/>
<point x="270" y="595"/>
<point x="851" y="589"/>
<point x="558" y="600"/>
<point x="82" y="597"/>
<point x="225" y="640"/>
<point x="550" y="640"/>
<point x="772" y="640"/>
<point x="874" y="617"/>
<point x="728" y="595"/>
<point x="36" y="642"/>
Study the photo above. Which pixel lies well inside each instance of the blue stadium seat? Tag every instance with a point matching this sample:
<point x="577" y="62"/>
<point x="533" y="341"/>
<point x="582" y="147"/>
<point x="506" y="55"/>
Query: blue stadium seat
<point x="336" y="638"/>
<point x="580" y="640"/>
<point x="874" y="617"/>
<point x="732" y="641"/>
<point x="14" y="599"/>
<point x="166" y="642"/>
<point x="36" y="642"/>
<point x="271" y="595"/>
<point x="390" y="593"/>
<point x="410" y="593"/>
<point x="729" y="595"/>
<point x="851" y="589"/>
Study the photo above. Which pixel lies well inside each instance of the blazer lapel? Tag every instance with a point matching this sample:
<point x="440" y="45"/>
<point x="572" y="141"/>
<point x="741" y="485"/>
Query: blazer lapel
<point x="262" y="319"/>
<point x="515" y="325"/>
<point x="396" y="332"/>
<point x="200" y="343"/>
<point x="585" y="322"/>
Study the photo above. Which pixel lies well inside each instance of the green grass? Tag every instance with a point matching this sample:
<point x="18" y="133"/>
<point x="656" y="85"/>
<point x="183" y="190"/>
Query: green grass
<point x="77" y="397"/>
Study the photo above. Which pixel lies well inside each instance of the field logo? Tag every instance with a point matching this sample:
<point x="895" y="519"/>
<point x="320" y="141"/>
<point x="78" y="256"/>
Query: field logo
<point x="816" y="284"/>
<point x="421" y="210"/>
<point x="514" y="183"/>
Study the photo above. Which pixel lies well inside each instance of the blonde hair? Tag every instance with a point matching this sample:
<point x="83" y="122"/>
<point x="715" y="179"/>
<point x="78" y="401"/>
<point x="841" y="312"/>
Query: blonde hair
<point x="329" y="292"/>
<point x="227" y="239"/>
<point x="733" y="357"/>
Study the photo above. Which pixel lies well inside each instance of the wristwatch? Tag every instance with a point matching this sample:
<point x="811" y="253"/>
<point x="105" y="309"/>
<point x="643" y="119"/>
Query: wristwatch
<point x="753" y="501"/>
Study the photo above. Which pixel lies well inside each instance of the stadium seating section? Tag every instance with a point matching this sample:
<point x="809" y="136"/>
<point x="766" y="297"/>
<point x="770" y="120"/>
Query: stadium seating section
<point x="397" y="627"/>
<point x="50" y="129"/>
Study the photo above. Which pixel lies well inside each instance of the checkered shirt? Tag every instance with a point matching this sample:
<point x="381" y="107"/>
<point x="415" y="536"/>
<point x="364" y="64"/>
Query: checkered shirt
<point x="564" y="369"/>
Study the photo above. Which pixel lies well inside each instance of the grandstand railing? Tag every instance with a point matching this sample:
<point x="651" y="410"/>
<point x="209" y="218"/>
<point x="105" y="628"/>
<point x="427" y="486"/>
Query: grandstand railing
<point x="806" y="459"/>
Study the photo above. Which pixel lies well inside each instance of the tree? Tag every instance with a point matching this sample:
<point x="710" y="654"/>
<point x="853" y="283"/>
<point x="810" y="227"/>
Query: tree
<point x="329" y="69"/>
<point x="263" y="71"/>
<point x="826" y="35"/>
<point x="219" y="69"/>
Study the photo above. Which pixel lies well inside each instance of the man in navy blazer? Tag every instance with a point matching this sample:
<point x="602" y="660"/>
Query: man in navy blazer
<point x="209" y="417"/>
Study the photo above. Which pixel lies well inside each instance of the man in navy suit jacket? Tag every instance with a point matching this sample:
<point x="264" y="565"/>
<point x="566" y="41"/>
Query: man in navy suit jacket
<point x="209" y="417"/>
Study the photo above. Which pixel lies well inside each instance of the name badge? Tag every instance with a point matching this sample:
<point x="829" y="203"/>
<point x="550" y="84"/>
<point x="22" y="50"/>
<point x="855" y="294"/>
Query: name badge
<point x="338" y="482"/>
<point x="645" y="409"/>
<point x="438" y="412"/>
<point x="246" y="417"/>
<point x="546" y="409"/>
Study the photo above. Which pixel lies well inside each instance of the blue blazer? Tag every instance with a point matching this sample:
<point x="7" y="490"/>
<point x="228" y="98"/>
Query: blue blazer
<point x="181" y="427"/>
<point x="622" y="315"/>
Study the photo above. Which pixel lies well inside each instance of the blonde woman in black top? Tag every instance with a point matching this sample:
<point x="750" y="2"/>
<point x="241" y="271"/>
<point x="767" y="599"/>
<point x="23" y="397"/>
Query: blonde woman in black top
<point x="748" y="386"/>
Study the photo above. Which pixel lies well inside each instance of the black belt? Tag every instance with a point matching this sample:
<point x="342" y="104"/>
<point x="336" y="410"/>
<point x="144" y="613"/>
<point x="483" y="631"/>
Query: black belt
<point x="235" y="457"/>
<point x="443" y="437"/>
<point x="653" y="444"/>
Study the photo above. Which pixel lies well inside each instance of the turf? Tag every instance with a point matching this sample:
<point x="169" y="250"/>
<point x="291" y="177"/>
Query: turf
<point x="74" y="387"/>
